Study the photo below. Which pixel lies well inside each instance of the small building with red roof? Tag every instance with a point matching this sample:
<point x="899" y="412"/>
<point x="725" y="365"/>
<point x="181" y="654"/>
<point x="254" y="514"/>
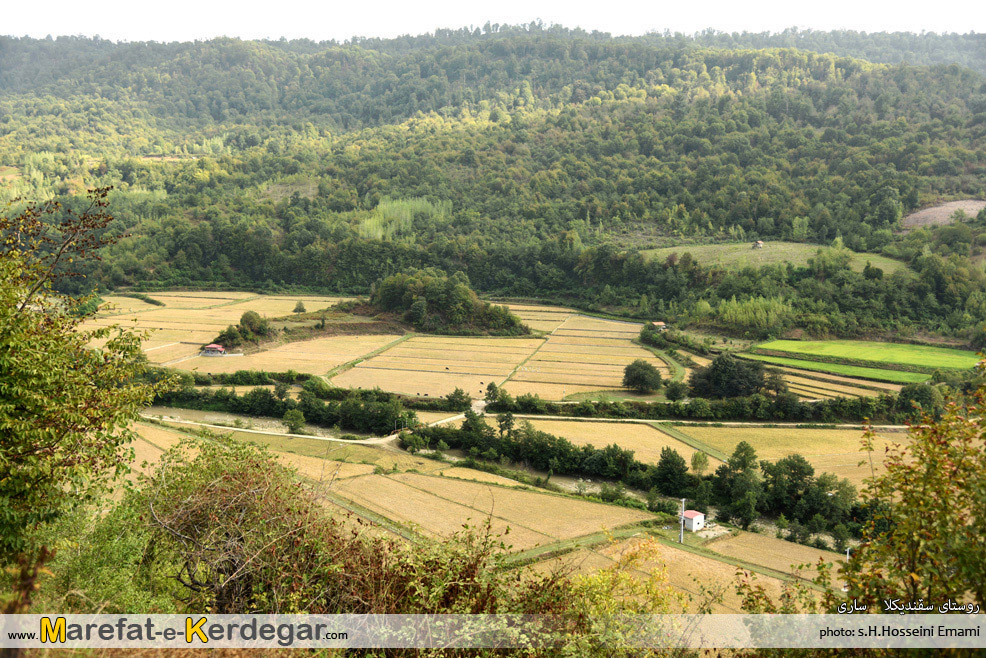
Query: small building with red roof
<point x="694" y="521"/>
<point x="215" y="349"/>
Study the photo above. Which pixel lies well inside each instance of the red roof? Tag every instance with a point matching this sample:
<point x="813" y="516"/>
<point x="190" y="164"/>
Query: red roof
<point x="214" y="346"/>
<point x="692" y="514"/>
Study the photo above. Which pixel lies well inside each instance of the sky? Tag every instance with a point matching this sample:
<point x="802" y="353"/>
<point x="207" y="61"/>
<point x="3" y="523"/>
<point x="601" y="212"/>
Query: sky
<point x="183" y="20"/>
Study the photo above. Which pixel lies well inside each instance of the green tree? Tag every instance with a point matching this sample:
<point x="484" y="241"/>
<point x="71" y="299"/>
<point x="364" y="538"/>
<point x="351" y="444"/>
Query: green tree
<point x="671" y="473"/>
<point x="641" y="376"/>
<point x="299" y="307"/>
<point x="675" y="391"/>
<point x="65" y="408"/>
<point x="700" y="462"/>
<point x="295" y="420"/>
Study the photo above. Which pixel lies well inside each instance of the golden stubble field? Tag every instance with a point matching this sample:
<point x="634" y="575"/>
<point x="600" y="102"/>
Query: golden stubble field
<point x="687" y="572"/>
<point x="645" y="440"/>
<point x="436" y="365"/>
<point x="581" y="355"/>
<point x="316" y="356"/>
<point x="438" y="506"/>
<point x="837" y="451"/>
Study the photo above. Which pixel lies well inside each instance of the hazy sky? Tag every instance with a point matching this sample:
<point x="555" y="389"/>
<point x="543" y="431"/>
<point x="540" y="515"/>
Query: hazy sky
<point x="189" y="19"/>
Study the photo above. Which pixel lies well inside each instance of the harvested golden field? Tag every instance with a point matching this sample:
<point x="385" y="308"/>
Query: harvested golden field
<point x="425" y="384"/>
<point x="158" y="436"/>
<point x="164" y="354"/>
<point x="823" y="378"/>
<point x="200" y="299"/>
<point x="114" y="305"/>
<point x="315" y="357"/>
<point x="645" y="440"/>
<point x="771" y="552"/>
<point x="439" y="506"/>
<point x="538" y="308"/>
<point x="435" y="366"/>
<point x="479" y="476"/>
<point x="558" y="516"/>
<point x="830" y="388"/>
<point x="322" y="470"/>
<point x="687" y="572"/>
<point x="583" y="355"/>
<point x="428" y="513"/>
<point x="546" y="391"/>
<point x="847" y="465"/>
<point x="281" y="306"/>
<point x="428" y="417"/>
<point x="772" y="443"/>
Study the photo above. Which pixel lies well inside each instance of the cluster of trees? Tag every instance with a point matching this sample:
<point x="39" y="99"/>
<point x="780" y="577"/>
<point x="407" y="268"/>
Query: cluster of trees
<point x="370" y="411"/>
<point x="434" y="302"/>
<point x="784" y="407"/>
<point x="251" y="328"/>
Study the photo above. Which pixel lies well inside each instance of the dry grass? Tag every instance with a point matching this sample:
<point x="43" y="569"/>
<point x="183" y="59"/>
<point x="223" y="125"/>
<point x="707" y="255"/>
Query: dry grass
<point x="171" y="351"/>
<point x="942" y="213"/>
<point x="771" y="552"/>
<point x="434" y="416"/>
<point x="829" y="387"/>
<point x="439" y="506"/>
<point x="316" y="356"/>
<point x="434" y="366"/>
<point x="773" y="443"/>
<point x="479" y="476"/>
<point x="687" y="572"/>
<point x="646" y="441"/>
<point x="885" y="386"/>
<point x="547" y="391"/>
<point x="583" y="355"/>
<point x="427" y="384"/>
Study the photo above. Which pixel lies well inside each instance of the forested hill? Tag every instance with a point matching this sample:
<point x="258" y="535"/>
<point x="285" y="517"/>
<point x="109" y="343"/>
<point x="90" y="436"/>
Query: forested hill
<point x="526" y="158"/>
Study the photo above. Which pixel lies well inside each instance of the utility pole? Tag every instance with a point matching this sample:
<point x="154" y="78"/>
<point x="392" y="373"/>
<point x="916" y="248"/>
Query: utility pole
<point x="681" y="531"/>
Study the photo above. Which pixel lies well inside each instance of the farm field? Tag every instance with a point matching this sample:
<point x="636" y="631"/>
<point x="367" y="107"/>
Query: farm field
<point x="541" y="318"/>
<point x="825" y="378"/>
<point x="645" y="440"/>
<point x="826" y="389"/>
<point x="942" y="213"/>
<point x="435" y="365"/>
<point x="771" y="552"/>
<point x="439" y="506"/>
<point x="687" y="572"/>
<point x="582" y="355"/>
<point x="736" y="255"/>
<point x="316" y="356"/>
<point x="836" y="451"/>
<point x="907" y="355"/>
<point x="876" y="374"/>
<point x="189" y="320"/>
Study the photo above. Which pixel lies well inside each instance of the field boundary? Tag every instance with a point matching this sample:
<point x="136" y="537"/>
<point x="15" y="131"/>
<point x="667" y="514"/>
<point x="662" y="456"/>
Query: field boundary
<point x="850" y="370"/>
<point x="688" y="440"/>
<point x="349" y="365"/>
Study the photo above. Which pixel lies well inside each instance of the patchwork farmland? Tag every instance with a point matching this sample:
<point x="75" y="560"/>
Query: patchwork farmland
<point x="436" y="365"/>
<point x="583" y="354"/>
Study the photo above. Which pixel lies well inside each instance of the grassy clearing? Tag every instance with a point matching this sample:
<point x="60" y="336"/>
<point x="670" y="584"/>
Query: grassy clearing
<point x="923" y="356"/>
<point x="736" y="255"/>
<point x="875" y="374"/>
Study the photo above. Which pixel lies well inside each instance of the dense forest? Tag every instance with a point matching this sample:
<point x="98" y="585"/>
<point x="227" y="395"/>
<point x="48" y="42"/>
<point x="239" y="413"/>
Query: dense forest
<point x="536" y="160"/>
